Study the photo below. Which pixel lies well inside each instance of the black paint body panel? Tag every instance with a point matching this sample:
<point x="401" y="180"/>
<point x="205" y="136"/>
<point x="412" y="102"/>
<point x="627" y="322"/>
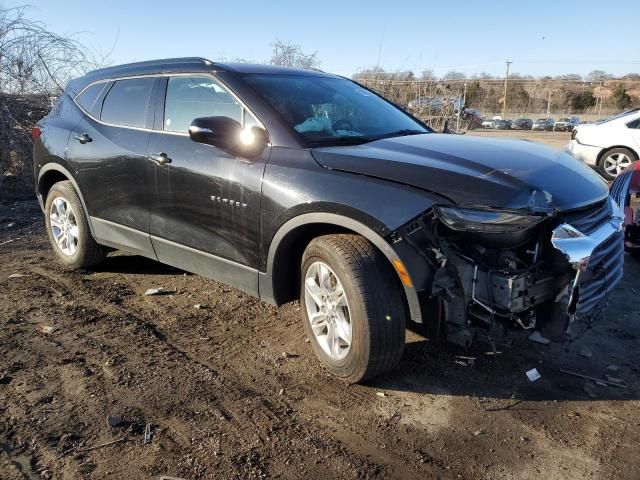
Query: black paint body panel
<point x="475" y="171"/>
<point x="218" y="215"/>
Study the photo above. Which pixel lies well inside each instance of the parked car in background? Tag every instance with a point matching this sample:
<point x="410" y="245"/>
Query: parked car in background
<point x="472" y="118"/>
<point x="502" y="124"/>
<point x="488" y="123"/>
<point x="545" y="124"/>
<point x="609" y="145"/>
<point x="522" y="124"/>
<point x="293" y="184"/>
<point x="625" y="190"/>
<point x="566" y="124"/>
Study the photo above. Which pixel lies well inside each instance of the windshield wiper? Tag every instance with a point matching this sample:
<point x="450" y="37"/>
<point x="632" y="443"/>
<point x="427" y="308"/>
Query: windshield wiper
<point x="353" y="140"/>
<point x="400" y="133"/>
<point x="360" y="139"/>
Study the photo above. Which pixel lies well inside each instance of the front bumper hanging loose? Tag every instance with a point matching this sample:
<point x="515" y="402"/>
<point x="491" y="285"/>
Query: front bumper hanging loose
<point x="581" y="251"/>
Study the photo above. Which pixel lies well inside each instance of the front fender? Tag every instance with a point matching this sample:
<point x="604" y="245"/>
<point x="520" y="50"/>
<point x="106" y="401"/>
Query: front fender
<point x="266" y="280"/>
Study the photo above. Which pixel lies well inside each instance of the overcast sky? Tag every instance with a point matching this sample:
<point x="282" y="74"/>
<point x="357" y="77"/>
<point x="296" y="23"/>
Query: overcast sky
<point x="541" y="37"/>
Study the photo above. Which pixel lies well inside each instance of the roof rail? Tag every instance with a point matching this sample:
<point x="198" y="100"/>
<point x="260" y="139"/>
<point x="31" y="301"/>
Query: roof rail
<point x="164" y="62"/>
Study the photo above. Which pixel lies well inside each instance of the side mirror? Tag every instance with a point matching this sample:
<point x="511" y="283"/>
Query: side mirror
<point x="227" y="134"/>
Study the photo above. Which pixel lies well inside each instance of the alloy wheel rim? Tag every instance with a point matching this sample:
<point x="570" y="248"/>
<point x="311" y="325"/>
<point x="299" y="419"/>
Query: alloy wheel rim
<point x="328" y="310"/>
<point x="64" y="226"/>
<point x="615" y="163"/>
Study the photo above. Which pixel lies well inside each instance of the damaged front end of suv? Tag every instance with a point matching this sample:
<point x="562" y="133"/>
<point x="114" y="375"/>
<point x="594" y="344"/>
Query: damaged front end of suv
<point x="532" y="268"/>
<point x="511" y="234"/>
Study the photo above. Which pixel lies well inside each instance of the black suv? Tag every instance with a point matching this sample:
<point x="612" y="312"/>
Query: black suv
<point x="292" y="184"/>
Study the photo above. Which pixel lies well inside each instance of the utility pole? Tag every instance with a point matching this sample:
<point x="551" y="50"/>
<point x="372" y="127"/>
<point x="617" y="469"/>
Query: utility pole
<point x="600" y="106"/>
<point x="549" y="103"/>
<point x="506" y="81"/>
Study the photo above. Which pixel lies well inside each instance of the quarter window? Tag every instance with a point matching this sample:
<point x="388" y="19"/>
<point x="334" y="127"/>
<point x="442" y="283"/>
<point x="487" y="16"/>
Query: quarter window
<point x="193" y="97"/>
<point x="127" y="102"/>
<point x="634" y="124"/>
<point x="90" y="98"/>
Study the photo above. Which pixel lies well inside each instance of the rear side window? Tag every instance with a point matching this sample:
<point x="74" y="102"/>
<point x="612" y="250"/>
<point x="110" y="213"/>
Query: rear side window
<point x="634" y="124"/>
<point x="127" y="102"/>
<point x="193" y="97"/>
<point x="90" y="98"/>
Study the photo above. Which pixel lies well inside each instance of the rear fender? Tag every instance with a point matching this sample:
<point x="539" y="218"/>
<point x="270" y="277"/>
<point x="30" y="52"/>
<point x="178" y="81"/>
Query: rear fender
<point x="56" y="169"/>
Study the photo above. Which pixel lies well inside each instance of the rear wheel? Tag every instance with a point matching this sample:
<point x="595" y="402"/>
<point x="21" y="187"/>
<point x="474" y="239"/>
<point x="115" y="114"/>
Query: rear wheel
<point x="352" y="307"/>
<point x="68" y="228"/>
<point x="614" y="161"/>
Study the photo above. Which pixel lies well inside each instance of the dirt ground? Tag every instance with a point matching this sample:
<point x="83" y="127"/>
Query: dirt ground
<point x="553" y="139"/>
<point x="232" y="390"/>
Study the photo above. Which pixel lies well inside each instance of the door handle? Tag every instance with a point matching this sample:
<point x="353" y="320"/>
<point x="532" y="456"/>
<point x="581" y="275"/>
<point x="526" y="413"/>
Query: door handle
<point x="83" y="138"/>
<point x="160" y="158"/>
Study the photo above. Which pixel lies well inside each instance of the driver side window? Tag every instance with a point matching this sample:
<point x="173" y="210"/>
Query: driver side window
<point x="188" y="98"/>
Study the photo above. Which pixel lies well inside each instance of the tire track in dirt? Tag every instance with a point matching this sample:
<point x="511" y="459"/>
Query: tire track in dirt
<point x="251" y="418"/>
<point x="210" y="381"/>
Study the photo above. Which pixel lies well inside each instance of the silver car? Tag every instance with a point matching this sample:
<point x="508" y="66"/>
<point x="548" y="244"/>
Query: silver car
<point x="545" y="124"/>
<point x="565" y="124"/>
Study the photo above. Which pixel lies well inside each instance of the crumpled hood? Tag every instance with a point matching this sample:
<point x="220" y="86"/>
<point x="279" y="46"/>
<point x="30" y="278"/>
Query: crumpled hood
<point x="474" y="170"/>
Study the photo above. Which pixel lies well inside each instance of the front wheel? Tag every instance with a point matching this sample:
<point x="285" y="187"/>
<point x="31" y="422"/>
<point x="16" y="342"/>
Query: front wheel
<point x="613" y="162"/>
<point x="352" y="307"/>
<point x="68" y="228"/>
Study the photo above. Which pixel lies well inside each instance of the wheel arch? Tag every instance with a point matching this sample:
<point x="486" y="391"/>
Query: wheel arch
<point x="608" y="149"/>
<point x="49" y="175"/>
<point x="280" y="283"/>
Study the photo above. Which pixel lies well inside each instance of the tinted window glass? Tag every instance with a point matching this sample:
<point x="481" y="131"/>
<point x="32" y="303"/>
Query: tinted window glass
<point x="90" y="98"/>
<point x="127" y="102"/>
<point x="327" y="110"/>
<point x="249" y="120"/>
<point x="192" y="97"/>
<point x="634" y="124"/>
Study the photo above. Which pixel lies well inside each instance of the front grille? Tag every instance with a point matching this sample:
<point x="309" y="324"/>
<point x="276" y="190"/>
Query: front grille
<point x="606" y="268"/>
<point x="606" y="262"/>
<point x="588" y="219"/>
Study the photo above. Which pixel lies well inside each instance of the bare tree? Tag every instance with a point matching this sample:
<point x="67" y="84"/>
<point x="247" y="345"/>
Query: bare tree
<point x="453" y="75"/>
<point x="598" y="76"/>
<point x="287" y="54"/>
<point x="35" y="63"/>
<point x="428" y="75"/>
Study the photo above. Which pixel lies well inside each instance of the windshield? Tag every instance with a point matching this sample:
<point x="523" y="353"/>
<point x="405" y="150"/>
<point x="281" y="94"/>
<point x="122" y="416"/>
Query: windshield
<point x="326" y="111"/>
<point x="565" y="119"/>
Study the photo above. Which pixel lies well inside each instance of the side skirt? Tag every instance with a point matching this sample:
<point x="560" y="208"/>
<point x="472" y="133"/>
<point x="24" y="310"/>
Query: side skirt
<point x="123" y="238"/>
<point x="185" y="258"/>
<point x="195" y="261"/>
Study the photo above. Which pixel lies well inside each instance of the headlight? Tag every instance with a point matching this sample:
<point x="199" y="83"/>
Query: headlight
<point x="485" y="220"/>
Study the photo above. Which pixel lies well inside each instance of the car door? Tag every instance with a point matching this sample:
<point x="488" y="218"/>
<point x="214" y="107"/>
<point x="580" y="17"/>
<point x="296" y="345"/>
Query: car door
<point x="107" y="152"/>
<point x="205" y="214"/>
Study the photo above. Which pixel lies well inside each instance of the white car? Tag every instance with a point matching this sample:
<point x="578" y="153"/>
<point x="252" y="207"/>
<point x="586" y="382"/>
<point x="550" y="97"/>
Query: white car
<point x="609" y="145"/>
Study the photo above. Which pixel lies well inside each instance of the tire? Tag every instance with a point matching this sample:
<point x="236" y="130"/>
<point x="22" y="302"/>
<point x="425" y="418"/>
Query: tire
<point x="76" y="247"/>
<point x="375" y="304"/>
<point x="614" y="161"/>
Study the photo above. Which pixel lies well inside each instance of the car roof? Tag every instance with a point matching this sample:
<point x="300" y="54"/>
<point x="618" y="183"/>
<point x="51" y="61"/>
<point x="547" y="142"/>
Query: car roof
<point x="184" y="65"/>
